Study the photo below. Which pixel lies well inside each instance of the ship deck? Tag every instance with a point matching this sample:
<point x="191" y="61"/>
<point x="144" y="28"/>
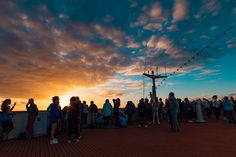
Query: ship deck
<point x="208" y="139"/>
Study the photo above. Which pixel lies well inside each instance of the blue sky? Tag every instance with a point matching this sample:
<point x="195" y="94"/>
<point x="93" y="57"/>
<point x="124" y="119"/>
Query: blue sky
<point x="98" y="49"/>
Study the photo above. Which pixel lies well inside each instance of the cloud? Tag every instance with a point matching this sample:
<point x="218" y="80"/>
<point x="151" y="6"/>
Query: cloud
<point x="180" y="10"/>
<point x="48" y="50"/>
<point x="153" y="26"/>
<point x="156" y="10"/>
<point x="111" y="93"/>
<point x="46" y="60"/>
<point x="231" y="43"/>
<point x="115" y="35"/>
<point x="152" y="17"/>
<point x="132" y="43"/>
<point x="207" y="72"/>
<point x="209" y="7"/>
<point x="164" y="43"/>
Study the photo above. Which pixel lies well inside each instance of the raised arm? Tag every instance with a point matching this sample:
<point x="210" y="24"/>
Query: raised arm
<point x="27" y="106"/>
<point x="13" y="106"/>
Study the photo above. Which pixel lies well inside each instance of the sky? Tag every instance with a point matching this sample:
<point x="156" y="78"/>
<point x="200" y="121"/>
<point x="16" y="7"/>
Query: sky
<point x="99" y="49"/>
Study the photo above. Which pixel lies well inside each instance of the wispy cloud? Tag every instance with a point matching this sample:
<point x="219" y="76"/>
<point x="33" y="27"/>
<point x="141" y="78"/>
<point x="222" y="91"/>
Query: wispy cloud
<point x="180" y="10"/>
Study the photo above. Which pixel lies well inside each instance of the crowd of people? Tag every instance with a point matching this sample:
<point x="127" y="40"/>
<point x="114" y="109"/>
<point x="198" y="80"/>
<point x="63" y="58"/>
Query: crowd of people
<point x="76" y="116"/>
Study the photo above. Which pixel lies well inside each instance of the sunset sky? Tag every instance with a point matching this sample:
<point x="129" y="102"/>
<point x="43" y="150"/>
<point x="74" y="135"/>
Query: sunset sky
<point x="96" y="49"/>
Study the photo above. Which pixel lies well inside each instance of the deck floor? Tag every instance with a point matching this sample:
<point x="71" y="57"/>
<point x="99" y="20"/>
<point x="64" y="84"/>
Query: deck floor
<point x="195" y="140"/>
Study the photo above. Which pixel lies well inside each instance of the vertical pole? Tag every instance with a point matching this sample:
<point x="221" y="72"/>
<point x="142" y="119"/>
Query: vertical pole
<point x="154" y="89"/>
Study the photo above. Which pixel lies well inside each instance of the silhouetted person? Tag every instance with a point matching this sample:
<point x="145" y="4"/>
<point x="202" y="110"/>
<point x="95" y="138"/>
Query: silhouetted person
<point x="198" y="110"/>
<point x="229" y="109"/>
<point x="143" y="113"/>
<point x="188" y="110"/>
<point x="59" y="125"/>
<point x="167" y="106"/>
<point x="85" y="111"/>
<point x="207" y="107"/>
<point x="54" y="118"/>
<point x="93" y="111"/>
<point x="155" y="112"/>
<point x="73" y="121"/>
<point x="107" y="113"/>
<point x="181" y="110"/>
<point x="234" y="102"/>
<point x="65" y="118"/>
<point x="149" y="111"/>
<point x="116" y="112"/>
<point x="129" y="110"/>
<point x="6" y="118"/>
<point x="216" y="107"/>
<point x="32" y="110"/>
<point x="161" y="110"/>
<point x="174" y="111"/>
<point x="79" y="107"/>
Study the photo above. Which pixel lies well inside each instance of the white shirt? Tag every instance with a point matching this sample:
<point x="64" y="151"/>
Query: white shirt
<point x="216" y="103"/>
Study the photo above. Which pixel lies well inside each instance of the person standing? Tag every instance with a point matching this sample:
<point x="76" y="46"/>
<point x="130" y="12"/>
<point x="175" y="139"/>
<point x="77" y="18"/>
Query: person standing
<point x="72" y="121"/>
<point x="198" y="109"/>
<point x="79" y="107"/>
<point x="188" y="110"/>
<point x="116" y="111"/>
<point x="143" y="113"/>
<point x="155" y="111"/>
<point x="207" y="108"/>
<point x="32" y="111"/>
<point x="93" y="111"/>
<point x="6" y="118"/>
<point x="85" y="112"/>
<point x="129" y="111"/>
<point x="54" y="117"/>
<point x="216" y="107"/>
<point x="174" y="111"/>
<point x="149" y="111"/>
<point x="229" y="109"/>
<point x="161" y="109"/>
<point x="234" y="102"/>
<point x="107" y="113"/>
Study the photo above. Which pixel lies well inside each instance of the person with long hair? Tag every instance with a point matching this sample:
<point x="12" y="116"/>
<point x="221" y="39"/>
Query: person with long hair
<point x="53" y="118"/>
<point x="32" y="110"/>
<point x="6" y="118"/>
<point x="73" y="120"/>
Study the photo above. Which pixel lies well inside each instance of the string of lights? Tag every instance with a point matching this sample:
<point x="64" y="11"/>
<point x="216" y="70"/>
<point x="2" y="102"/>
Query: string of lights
<point x="204" y="49"/>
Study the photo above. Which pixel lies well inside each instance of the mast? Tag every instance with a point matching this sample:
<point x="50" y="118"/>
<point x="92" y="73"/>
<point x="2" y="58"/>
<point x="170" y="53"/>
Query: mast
<point x="154" y="77"/>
